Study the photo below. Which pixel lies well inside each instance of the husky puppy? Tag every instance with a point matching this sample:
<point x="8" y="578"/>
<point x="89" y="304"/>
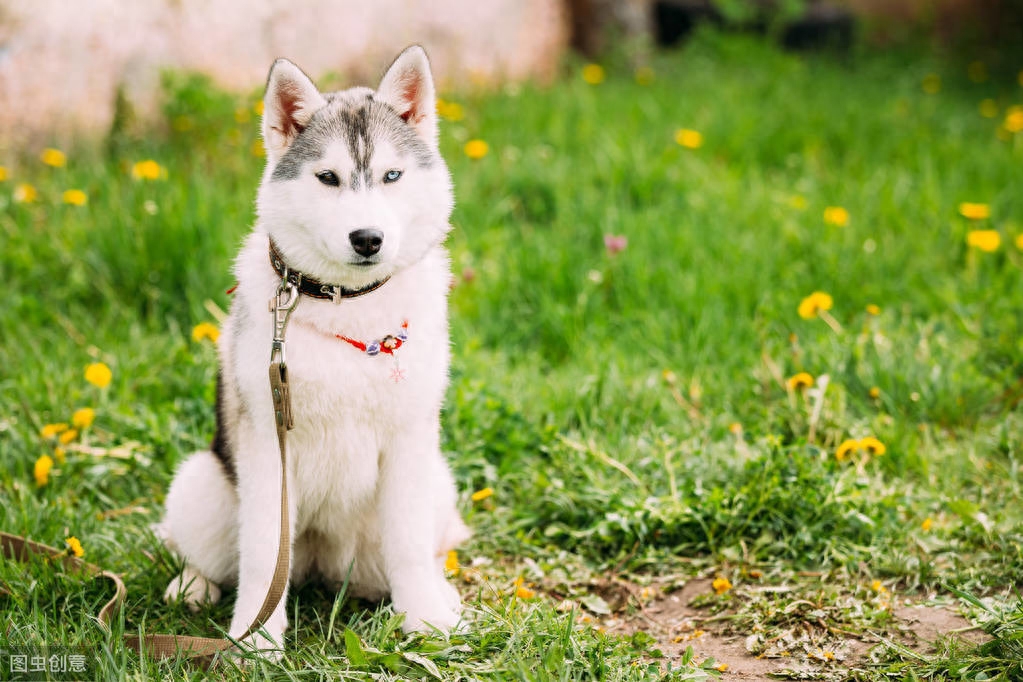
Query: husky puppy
<point x="356" y="199"/>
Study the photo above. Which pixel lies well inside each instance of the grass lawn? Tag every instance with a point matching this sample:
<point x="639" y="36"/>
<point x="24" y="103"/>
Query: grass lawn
<point x="638" y="407"/>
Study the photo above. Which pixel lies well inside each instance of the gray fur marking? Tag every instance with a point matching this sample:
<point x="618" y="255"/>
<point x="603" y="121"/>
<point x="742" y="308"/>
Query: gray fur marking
<point x="358" y="123"/>
<point x="307" y="147"/>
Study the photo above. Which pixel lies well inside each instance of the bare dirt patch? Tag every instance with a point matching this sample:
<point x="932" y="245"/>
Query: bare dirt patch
<point x="807" y="651"/>
<point x="925" y="624"/>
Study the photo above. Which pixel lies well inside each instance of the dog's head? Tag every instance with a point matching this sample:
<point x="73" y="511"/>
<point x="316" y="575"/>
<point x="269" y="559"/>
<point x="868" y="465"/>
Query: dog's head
<point x="355" y="187"/>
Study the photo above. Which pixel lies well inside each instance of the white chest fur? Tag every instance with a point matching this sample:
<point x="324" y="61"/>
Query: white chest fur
<point x="349" y="408"/>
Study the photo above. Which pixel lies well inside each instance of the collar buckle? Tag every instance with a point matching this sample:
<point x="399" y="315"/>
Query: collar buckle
<point x="333" y="292"/>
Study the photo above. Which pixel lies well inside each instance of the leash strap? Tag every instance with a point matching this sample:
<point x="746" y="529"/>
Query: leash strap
<point x="283" y="421"/>
<point x="202" y="650"/>
<point x="21" y="549"/>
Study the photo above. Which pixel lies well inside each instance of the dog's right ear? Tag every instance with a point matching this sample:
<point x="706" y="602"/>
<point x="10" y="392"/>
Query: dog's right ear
<point x="290" y="101"/>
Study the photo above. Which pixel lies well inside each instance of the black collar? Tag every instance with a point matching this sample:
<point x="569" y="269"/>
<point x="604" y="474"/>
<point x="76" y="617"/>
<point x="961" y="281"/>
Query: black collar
<point x="312" y="287"/>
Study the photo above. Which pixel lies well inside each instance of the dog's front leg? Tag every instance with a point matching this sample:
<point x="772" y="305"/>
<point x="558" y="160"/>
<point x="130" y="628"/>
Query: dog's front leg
<point x="259" y="511"/>
<point x="408" y="529"/>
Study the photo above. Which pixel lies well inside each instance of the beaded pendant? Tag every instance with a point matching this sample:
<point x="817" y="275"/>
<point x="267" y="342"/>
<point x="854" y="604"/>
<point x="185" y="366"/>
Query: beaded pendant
<point x="388" y="345"/>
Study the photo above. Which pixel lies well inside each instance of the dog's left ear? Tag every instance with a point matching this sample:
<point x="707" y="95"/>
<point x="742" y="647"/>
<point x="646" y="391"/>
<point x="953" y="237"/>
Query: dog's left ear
<point x="408" y="88"/>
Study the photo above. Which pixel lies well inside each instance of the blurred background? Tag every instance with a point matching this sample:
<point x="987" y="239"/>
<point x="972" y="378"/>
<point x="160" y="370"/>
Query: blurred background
<point x="64" y="66"/>
<point x="737" y="294"/>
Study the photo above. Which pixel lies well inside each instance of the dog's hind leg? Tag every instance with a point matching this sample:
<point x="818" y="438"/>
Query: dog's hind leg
<point x="193" y="588"/>
<point x="200" y="523"/>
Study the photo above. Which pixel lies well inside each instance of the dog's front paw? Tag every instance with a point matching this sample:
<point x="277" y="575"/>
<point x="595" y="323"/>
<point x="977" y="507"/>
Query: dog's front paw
<point x="445" y="620"/>
<point x="268" y="641"/>
<point x="451" y="596"/>
<point x="264" y="647"/>
<point x="252" y="650"/>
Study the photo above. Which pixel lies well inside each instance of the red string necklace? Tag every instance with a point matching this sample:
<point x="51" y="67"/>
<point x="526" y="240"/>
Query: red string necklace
<point x="387" y="345"/>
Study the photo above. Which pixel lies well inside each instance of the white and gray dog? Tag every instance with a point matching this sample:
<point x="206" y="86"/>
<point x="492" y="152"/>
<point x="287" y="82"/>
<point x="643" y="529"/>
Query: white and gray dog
<point x="354" y="207"/>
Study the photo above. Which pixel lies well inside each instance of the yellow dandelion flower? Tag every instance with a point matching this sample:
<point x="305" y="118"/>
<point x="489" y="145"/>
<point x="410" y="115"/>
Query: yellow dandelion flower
<point x="75" y="197"/>
<point x="450" y="111"/>
<point x="931" y="84"/>
<point x="721" y="667"/>
<point x="60" y="454"/>
<point x="51" y="430"/>
<point x="83" y="417"/>
<point x="847" y="448"/>
<point x="98" y="374"/>
<point x="147" y="170"/>
<point x="451" y="562"/>
<point x="482" y="494"/>
<point x="799" y="381"/>
<point x="257" y="149"/>
<point x="25" y="193"/>
<point x="1014" y="119"/>
<point x="988" y="108"/>
<point x="3" y="173"/>
<point x="690" y="139"/>
<point x="1019" y="242"/>
<point x="878" y="586"/>
<point x="644" y="75"/>
<point x="476" y="149"/>
<point x="53" y="157"/>
<point x="68" y="436"/>
<point x="454" y="112"/>
<point x="985" y="240"/>
<point x="811" y="306"/>
<point x="74" y="546"/>
<point x="593" y="74"/>
<point x="41" y="470"/>
<point x="927" y="524"/>
<point x="721" y="585"/>
<point x="522" y="591"/>
<point x="874" y="392"/>
<point x="873" y="446"/>
<point x="205" y="330"/>
<point x="836" y="215"/>
<point x="873" y="309"/>
<point x="974" y="211"/>
<point x="258" y="107"/>
<point x="735" y="428"/>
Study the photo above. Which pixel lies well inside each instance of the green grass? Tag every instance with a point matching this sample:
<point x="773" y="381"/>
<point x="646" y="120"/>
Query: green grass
<point x="629" y="410"/>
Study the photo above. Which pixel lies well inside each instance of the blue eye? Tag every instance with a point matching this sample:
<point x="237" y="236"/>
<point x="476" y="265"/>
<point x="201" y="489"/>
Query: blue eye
<point x="392" y="176"/>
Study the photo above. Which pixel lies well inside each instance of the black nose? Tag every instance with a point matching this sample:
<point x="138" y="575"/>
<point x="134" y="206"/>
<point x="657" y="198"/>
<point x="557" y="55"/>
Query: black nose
<point x="366" y="241"/>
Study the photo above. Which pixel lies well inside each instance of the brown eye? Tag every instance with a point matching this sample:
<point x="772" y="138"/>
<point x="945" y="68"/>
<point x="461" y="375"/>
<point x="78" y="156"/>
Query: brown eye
<point x="329" y="178"/>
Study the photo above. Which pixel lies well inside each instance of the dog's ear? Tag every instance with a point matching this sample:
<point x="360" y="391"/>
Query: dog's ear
<point x="408" y="88"/>
<point x="290" y="101"/>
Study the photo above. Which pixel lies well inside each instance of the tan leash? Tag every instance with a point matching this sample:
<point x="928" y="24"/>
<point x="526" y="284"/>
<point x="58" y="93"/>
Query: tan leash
<point x="201" y="649"/>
